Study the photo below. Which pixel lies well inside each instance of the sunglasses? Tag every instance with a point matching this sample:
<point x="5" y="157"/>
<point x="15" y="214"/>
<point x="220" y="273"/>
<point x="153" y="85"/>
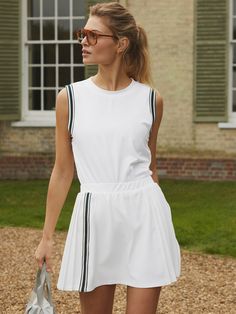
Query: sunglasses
<point x="91" y="36"/>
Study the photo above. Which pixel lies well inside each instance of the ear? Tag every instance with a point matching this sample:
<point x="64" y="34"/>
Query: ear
<point x="123" y="44"/>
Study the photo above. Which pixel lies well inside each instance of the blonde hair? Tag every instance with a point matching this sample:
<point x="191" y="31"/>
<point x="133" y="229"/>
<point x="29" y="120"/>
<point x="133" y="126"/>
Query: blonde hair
<point x="122" y="23"/>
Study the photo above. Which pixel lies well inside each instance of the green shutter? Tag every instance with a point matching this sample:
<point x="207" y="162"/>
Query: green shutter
<point x="211" y="60"/>
<point x="9" y="59"/>
<point x="91" y="70"/>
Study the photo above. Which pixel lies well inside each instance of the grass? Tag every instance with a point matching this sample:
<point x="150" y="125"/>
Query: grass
<point x="203" y="213"/>
<point x="22" y="203"/>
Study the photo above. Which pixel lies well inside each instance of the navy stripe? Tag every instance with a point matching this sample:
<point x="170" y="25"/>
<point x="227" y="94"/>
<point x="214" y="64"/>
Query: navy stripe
<point x="86" y="237"/>
<point x="152" y="103"/>
<point x="73" y="110"/>
<point x="71" y="107"/>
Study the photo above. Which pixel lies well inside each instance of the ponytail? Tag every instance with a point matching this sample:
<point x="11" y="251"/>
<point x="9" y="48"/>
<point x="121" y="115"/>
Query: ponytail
<point x="136" y="57"/>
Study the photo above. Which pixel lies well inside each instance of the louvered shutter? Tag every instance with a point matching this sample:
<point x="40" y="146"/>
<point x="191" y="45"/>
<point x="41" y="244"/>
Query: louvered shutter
<point x="91" y="70"/>
<point x="211" y="55"/>
<point x="9" y="59"/>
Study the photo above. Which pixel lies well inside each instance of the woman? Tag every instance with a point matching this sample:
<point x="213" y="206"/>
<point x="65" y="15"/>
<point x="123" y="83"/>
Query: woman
<point x="121" y="229"/>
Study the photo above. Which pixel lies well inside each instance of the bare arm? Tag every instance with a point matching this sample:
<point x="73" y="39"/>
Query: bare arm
<point x="60" y="180"/>
<point x="153" y="135"/>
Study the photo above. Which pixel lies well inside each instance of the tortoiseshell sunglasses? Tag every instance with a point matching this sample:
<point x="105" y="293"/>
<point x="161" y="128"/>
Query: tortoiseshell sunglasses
<point x="92" y="36"/>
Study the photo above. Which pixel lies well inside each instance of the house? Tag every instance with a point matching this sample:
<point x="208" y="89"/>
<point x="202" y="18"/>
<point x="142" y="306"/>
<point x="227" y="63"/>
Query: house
<point x="193" y="53"/>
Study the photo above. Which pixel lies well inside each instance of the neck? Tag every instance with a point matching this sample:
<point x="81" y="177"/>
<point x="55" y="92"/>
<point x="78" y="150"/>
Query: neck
<point x="111" y="78"/>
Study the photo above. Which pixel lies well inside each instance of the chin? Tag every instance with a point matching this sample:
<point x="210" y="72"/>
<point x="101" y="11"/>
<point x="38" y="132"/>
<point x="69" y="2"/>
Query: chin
<point x="94" y="62"/>
<point x="89" y="62"/>
<point x="88" y="59"/>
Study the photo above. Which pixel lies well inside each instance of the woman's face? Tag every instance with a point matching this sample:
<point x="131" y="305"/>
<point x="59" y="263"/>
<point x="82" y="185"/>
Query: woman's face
<point x="106" y="49"/>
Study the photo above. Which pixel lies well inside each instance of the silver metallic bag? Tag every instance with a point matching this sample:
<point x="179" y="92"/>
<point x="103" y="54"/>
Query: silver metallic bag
<point x="40" y="301"/>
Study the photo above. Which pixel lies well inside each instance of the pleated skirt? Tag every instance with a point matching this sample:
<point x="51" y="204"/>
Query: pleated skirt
<point x="120" y="233"/>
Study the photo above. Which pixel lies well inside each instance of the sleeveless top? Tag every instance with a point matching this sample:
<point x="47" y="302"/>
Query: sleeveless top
<point x="110" y="131"/>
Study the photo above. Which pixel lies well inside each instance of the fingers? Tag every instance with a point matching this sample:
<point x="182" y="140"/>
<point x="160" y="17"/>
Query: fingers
<point x="40" y="263"/>
<point x="48" y="264"/>
<point x="45" y="259"/>
<point x="39" y="260"/>
<point x="43" y="254"/>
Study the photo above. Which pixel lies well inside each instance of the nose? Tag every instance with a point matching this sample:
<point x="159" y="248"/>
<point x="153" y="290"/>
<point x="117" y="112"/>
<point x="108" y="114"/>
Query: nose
<point x="84" y="40"/>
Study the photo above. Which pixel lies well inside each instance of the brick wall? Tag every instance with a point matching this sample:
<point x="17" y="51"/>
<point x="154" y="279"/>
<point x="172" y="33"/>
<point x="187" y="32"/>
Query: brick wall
<point x="26" y="167"/>
<point x="197" y="169"/>
<point x="40" y="167"/>
<point x="24" y="141"/>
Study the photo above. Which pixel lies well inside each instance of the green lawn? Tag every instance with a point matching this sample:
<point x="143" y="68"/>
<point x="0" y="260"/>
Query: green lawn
<point x="203" y="213"/>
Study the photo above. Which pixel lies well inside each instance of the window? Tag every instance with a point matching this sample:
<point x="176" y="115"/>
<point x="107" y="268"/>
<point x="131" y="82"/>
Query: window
<point x="51" y="54"/>
<point x="232" y="63"/>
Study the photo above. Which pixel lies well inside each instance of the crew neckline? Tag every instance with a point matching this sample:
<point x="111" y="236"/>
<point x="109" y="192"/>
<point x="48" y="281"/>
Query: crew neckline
<point x="106" y="91"/>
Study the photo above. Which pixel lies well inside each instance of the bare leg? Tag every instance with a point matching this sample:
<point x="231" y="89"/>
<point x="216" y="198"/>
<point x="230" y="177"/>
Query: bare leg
<point x="142" y="300"/>
<point x="98" y="301"/>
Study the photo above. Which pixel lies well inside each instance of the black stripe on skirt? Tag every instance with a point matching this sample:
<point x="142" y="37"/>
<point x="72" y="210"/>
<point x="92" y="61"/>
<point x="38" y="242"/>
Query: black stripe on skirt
<point x="86" y="236"/>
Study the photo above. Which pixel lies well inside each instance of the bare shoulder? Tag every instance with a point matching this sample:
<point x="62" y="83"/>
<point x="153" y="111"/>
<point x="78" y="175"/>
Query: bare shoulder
<point x="159" y="106"/>
<point x="62" y="104"/>
<point x="159" y="99"/>
<point x="62" y="100"/>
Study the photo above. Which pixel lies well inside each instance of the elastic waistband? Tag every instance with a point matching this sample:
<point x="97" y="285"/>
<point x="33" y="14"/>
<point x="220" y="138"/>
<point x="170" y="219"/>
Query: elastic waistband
<point x="116" y="186"/>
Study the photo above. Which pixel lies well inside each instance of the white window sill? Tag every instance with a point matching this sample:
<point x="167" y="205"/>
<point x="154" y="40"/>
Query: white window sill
<point x="227" y="125"/>
<point x="32" y="124"/>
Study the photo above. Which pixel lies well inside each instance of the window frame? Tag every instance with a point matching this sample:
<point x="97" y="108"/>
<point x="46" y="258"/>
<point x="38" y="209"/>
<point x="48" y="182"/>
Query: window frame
<point x="40" y="117"/>
<point x="231" y="123"/>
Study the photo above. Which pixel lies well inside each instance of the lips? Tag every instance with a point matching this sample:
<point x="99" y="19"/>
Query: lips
<point x="85" y="51"/>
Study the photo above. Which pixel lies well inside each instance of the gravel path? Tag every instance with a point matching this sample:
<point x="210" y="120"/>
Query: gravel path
<point x="207" y="282"/>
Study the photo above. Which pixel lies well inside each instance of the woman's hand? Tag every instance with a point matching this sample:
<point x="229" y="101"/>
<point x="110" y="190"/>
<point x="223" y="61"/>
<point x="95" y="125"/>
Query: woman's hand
<point x="44" y="251"/>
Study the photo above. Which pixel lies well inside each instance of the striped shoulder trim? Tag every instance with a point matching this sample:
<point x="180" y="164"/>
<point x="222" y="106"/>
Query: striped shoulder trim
<point x="71" y="99"/>
<point x="152" y="103"/>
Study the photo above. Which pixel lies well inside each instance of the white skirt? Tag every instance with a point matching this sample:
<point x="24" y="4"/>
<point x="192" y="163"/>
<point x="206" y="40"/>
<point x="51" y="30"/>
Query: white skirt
<point x="120" y="233"/>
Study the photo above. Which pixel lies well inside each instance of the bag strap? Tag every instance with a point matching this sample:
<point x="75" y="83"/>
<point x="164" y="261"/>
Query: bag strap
<point x="42" y="279"/>
<point x="48" y="285"/>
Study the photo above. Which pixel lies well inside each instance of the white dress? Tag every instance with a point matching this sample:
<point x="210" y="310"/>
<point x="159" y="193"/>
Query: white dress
<point x="121" y="228"/>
